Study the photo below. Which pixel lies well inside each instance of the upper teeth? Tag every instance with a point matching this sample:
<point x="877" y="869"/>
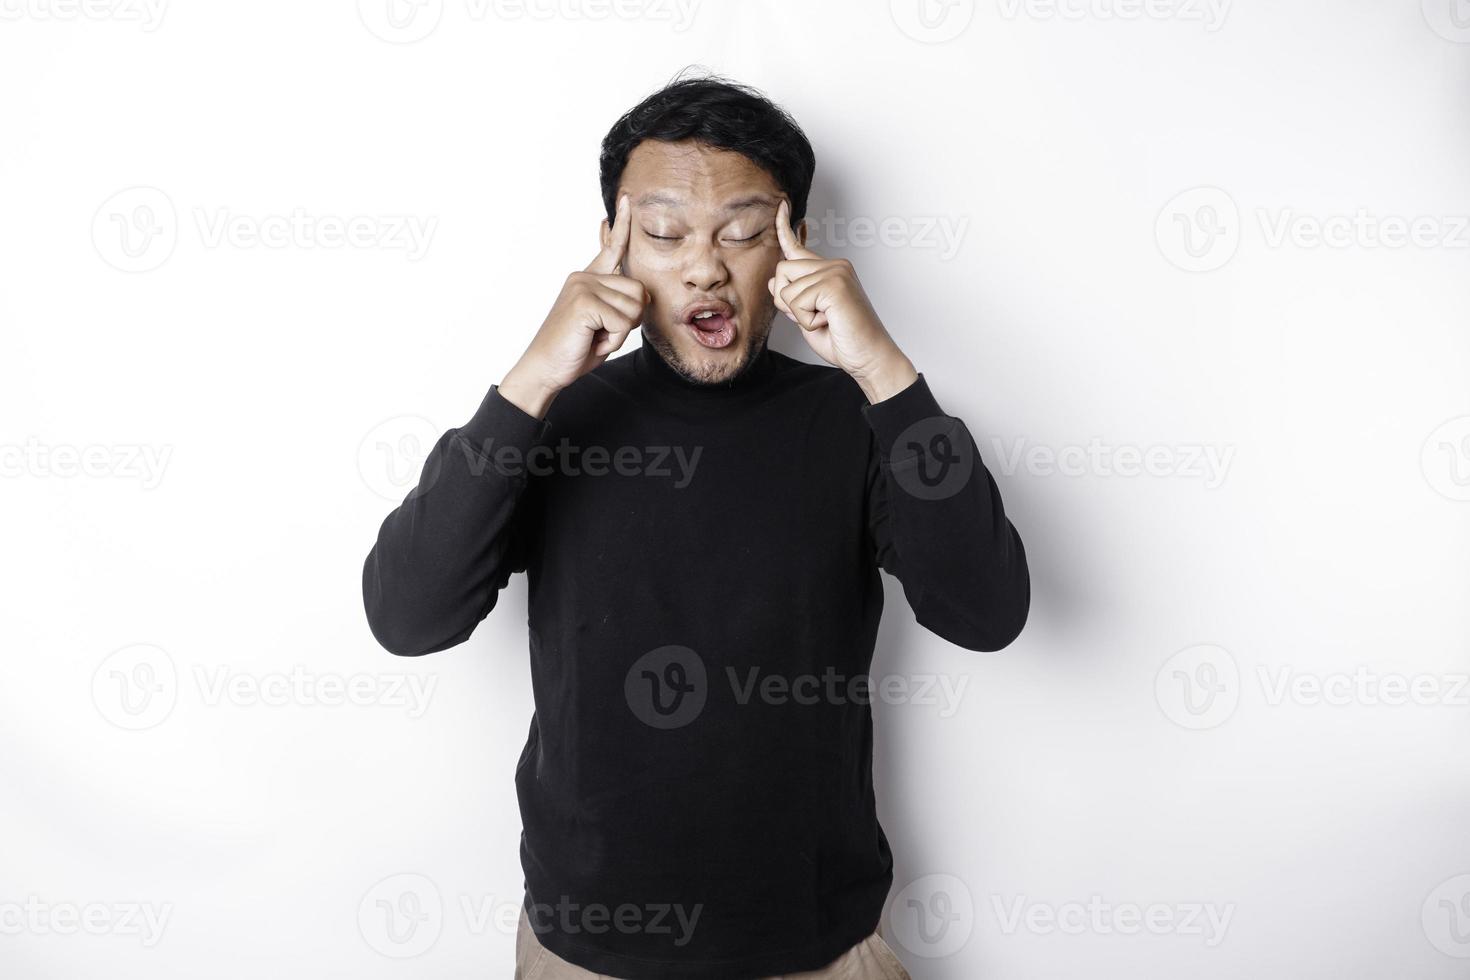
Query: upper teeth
<point x="701" y="316"/>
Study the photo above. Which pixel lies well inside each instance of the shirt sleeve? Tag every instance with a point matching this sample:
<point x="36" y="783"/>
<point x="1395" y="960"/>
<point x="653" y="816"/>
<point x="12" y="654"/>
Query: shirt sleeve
<point x="938" y="524"/>
<point x="442" y="557"/>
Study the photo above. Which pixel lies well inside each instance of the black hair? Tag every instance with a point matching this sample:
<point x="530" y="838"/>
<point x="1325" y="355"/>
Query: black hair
<point x="722" y="114"/>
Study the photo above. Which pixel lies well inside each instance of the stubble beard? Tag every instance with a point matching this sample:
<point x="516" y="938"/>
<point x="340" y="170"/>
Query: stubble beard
<point x="706" y="374"/>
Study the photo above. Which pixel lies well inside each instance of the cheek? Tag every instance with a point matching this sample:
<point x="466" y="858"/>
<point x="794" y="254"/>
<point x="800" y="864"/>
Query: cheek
<point x="651" y="260"/>
<point x="764" y="259"/>
<point x="753" y="267"/>
<point x="651" y="268"/>
<point x="750" y="286"/>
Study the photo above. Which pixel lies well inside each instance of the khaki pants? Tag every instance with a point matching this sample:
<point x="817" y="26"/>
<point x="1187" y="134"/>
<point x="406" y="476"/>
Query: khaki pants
<point x="871" y="959"/>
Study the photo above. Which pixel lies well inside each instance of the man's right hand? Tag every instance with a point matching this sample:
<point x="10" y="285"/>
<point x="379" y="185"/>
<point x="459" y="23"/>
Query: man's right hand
<point x="597" y="309"/>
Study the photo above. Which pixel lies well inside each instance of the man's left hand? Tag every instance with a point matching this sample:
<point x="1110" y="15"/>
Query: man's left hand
<point x="825" y="299"/>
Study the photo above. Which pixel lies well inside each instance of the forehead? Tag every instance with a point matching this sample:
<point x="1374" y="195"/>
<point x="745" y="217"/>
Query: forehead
<point x="694" y="176"/>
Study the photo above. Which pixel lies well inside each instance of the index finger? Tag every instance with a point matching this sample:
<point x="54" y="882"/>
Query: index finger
<point x="611" y="257"/>
<point x="791" y="248"/>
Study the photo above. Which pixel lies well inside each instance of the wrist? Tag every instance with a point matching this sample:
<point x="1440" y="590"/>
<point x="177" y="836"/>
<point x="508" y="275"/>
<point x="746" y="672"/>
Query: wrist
<point x="887" y="377"/>
<point x="527" y="390"/>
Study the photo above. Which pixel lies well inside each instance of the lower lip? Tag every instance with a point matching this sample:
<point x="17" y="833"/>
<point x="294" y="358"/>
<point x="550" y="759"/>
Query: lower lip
<point x="714" y="332"/>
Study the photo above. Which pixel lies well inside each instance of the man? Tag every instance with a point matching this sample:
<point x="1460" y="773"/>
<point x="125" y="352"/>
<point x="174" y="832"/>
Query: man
<point x="702" y="522"/>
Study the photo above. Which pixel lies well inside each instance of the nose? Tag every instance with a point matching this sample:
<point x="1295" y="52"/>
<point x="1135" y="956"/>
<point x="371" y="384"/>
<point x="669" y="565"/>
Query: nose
<point x="705" y="270"/>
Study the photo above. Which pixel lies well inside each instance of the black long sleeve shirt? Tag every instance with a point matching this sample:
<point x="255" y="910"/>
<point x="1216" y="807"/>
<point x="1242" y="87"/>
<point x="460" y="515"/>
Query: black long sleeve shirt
<point x="696" y="788"/>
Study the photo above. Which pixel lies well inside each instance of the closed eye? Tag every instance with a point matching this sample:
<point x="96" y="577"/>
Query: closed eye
<point x="675" y="238"/>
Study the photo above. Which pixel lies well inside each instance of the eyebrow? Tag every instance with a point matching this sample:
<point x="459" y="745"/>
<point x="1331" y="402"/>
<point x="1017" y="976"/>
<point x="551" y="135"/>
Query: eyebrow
<point x="664" y="199"/>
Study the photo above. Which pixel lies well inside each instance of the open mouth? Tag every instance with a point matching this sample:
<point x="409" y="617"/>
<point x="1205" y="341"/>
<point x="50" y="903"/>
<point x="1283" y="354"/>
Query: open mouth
<point x="712" y="324"/>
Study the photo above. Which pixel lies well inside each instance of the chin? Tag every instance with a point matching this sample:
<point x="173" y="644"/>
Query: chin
<point x="703" y="365"/>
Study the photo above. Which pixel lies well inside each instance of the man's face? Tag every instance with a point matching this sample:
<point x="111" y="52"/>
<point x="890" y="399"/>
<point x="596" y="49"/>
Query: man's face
<point x="703" y="237"/>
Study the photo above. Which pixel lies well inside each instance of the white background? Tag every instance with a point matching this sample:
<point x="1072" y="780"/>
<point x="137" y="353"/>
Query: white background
<point x="202" y="430"/>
